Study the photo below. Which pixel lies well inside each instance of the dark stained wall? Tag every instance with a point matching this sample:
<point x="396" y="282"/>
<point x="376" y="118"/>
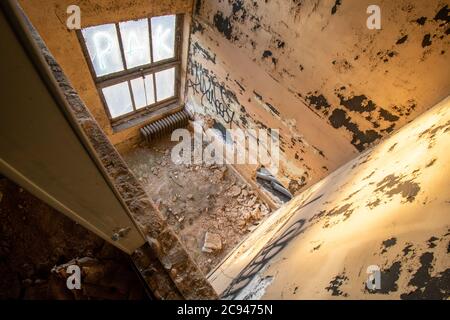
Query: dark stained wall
<point x="315" y="71"/>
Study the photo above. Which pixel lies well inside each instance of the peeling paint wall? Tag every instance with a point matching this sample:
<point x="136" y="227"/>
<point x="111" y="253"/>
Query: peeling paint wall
<point x="389" y="207"/>
<point x="49" y="18"/>
<point x="315" y="71"/>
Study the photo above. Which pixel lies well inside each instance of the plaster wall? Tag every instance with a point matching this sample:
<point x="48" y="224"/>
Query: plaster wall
<point x="389" y="208"/>
<point x="313" y="70"/>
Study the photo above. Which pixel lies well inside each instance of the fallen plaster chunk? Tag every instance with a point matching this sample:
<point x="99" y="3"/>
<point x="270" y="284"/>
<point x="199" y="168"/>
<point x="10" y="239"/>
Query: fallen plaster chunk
<point x="212" y="242"/>
<point x="235" y="191"/>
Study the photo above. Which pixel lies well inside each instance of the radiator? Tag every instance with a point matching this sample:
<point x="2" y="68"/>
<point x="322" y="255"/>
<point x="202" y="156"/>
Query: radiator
<point x="165" y="125"/>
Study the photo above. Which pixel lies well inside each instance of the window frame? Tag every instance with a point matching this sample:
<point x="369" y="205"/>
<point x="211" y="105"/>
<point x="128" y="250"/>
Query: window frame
<point x="127" y="75"/>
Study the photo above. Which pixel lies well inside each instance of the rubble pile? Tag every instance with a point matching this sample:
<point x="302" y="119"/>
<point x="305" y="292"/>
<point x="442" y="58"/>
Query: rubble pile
<point x="207" y="205"/>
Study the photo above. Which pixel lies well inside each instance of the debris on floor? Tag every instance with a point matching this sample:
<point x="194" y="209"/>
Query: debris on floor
<point x="212" y="243"/>
<point x="34" y="238"/>
<point x="101" y="280"/>
<point x="197" y="200"/>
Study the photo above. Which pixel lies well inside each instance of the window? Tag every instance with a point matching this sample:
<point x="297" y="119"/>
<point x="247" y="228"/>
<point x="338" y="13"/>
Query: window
<point x="135" y="64"/>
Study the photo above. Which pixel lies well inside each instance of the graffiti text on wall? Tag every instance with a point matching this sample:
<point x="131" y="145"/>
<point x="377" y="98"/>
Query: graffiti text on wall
<point x="204" y="82"/>
<point x="267" y="253"/>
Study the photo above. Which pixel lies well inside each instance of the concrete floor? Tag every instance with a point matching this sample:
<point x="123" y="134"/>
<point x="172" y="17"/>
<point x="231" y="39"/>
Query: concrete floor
<point x="196" y="199"/>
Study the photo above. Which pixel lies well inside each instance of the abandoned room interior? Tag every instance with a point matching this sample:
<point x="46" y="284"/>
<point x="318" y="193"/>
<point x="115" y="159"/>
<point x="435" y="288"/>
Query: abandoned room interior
<point x="225" y="149"/>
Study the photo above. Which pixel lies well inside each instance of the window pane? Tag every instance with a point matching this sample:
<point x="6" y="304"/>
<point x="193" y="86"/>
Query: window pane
<point x="163" y="37"/>
<point x="103" y="48"/>
<point x="150" y="89"/>
<point x="136" y="42"/>
<point x="165" y="84"/>
<point x="138" y="92"/>
<point x="118" y="99"/>
<point x="143" y="91"/>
